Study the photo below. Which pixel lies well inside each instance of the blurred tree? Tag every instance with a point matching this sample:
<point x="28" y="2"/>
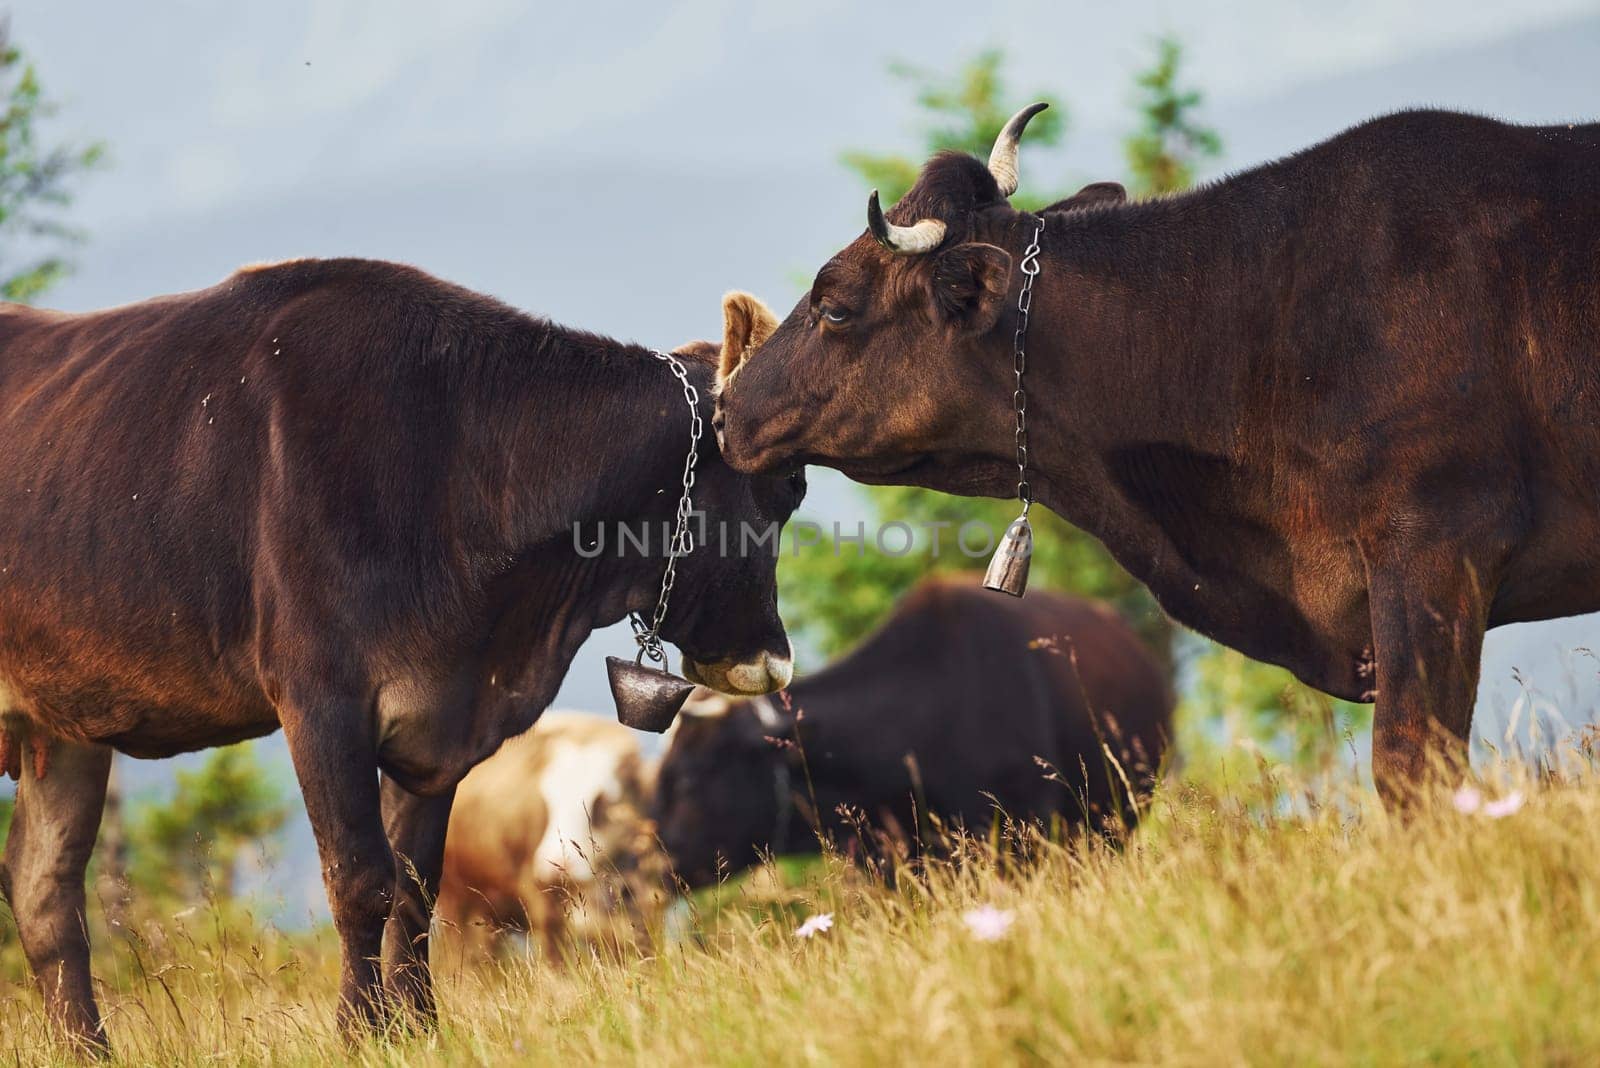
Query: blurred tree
<point x="190" y="847"/>
<point x="1227" y="698"/>
<point x="966" y="114"/>
<point x="34" y="181"/>
<point x="1164" y="153"/>
<point x="109" y="865"/>
<point x="835" y="594"/>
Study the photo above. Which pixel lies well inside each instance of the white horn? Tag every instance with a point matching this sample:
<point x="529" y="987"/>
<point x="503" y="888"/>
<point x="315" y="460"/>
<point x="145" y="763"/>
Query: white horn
<point x="924" y="236"/>
<point x="1003" y="157"/>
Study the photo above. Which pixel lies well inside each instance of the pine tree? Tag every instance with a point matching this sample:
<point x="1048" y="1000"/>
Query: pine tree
<point x="36" y="181"/>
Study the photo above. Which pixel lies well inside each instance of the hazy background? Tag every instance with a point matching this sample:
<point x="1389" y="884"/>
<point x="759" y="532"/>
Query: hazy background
<point x="619" y="167"/>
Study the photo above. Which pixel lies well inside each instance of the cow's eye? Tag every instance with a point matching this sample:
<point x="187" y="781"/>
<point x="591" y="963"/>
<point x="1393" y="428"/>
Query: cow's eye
<point x="835" y="315"/>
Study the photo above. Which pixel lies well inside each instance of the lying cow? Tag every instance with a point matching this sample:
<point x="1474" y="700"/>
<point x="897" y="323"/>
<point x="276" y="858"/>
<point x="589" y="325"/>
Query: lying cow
<point x="950" y="707"/>
<point x="550" y="836"/>
<point x="337" y="497"/>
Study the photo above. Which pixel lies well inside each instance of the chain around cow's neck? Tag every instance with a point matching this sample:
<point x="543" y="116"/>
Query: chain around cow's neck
<point x="1019" y="352"/>
<point x="649" y="636"/>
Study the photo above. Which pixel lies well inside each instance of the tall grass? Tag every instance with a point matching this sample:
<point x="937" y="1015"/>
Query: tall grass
<point x="1224" y="933"/>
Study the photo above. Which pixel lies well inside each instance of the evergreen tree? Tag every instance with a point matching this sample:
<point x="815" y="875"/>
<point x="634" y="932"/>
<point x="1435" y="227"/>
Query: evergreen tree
<point x="190" y="847"/>
<point x="36" y="180"/>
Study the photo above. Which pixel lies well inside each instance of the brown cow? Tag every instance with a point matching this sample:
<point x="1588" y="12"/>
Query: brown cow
<point x="550" y="835"/>
<point x="1340" y="412"/>
<point x="337" y="497"/>
<point x="946" y="710"/>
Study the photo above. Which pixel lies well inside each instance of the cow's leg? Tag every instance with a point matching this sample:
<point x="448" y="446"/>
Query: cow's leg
<point x="1428" y="618"/>
<point x="335" y="760"/>
<point x="416" y="827"/>
<point x="42" y="874"/>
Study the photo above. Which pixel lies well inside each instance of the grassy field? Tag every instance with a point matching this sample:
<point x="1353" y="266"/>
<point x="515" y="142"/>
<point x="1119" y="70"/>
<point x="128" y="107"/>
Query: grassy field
<point x="1217" y="936"/>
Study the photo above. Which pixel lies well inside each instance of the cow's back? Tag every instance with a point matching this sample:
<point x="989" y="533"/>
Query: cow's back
<point x="178" y="469"/>
<point x="976" y="690"/>
<point x="1066" y="683"/>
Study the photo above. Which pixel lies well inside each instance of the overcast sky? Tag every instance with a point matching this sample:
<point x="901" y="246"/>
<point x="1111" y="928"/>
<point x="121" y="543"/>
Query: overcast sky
<point x="619" y="167"/>
<point x="209" y="104"/>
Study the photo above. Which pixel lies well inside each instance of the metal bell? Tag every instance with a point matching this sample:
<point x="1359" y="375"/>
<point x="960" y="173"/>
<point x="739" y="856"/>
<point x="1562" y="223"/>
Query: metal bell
<point x="1008" y="568"/>
<point x="647" y="698"/>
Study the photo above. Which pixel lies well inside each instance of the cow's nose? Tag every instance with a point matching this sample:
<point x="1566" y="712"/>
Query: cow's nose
<point x="763" y="675"/>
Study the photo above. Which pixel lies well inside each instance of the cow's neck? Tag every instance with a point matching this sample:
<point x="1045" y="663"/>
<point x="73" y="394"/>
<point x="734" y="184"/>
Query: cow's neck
<point x="588" y="435"/>
<point x="545" y="609"/>
<point x="585" y="430"/>
<point x="1141" y="330"/>
<point x="1140" y="356"/>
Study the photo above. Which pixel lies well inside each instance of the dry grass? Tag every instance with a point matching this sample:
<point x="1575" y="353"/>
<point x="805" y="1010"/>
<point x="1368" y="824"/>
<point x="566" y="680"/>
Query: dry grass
<point x="1219" y="936"/>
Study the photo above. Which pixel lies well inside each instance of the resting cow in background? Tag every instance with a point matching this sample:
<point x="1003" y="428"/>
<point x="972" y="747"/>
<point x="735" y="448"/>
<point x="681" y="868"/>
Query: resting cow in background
<point x="550" y="835"/>
<point x="947" y="710"/>
<point x="336" y="497"/>
<point x="1340" y="412"/>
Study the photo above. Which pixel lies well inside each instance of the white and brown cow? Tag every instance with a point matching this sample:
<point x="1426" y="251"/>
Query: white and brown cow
<point x="550" y="835"/>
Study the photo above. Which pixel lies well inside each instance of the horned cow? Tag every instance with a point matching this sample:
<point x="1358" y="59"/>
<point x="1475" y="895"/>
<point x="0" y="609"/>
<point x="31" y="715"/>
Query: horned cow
<point x="1340" y="412"/>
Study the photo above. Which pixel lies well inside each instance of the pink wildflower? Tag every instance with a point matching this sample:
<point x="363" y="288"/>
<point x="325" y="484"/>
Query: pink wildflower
<point x="814" y="925"/>
<point x="988" y="924"/>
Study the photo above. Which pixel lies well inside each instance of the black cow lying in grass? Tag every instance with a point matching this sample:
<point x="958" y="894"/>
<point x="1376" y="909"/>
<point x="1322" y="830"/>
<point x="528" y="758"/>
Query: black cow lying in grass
<point x="950" y="708"/>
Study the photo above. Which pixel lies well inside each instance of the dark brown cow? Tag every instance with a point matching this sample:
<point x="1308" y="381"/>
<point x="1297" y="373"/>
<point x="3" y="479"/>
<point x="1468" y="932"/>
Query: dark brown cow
<point x="1340" y="412"/>
<point x="336" y="497"/>
<point x="950" y="706"/>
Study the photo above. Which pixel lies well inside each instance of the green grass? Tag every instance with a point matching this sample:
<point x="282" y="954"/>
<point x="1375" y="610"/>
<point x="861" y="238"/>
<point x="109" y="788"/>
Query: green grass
<point x="1217" y="936"/>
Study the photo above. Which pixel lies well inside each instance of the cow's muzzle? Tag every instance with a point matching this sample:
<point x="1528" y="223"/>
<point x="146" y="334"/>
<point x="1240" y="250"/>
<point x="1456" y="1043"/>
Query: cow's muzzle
<point x="764" y="673"/>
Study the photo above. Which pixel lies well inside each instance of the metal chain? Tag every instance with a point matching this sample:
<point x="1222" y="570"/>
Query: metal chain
<point x="649" y="637"/>
<point x="1030" y="270"/>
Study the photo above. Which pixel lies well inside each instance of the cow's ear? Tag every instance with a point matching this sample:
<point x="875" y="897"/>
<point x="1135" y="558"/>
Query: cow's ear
<point x="746" y="324"/>
<point x="969" y="285"/>
<point x="1090" y="195"/>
